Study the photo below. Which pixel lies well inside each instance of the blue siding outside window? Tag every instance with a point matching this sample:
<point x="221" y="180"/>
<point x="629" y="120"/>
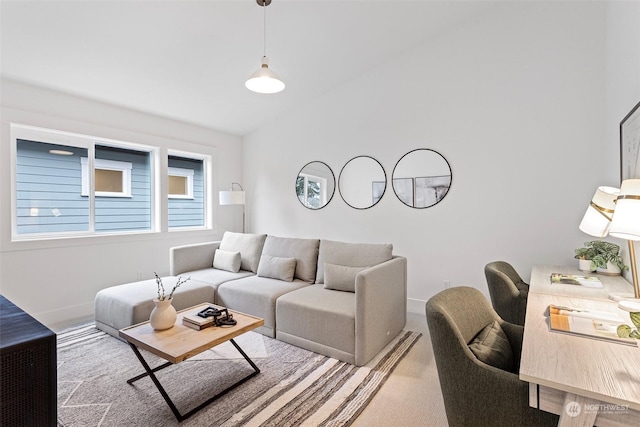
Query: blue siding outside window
<point x="48" y="188"/>
<point x="49" y="191"/>
<point x="126" y="213"/>
<point x="188" y="212"/>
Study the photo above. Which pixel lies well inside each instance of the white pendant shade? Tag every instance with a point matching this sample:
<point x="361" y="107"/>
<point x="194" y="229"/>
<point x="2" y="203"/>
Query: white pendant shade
<point x="597" y="219"/>
<point x="264" y="80"/>
<point x="626" y="219"/>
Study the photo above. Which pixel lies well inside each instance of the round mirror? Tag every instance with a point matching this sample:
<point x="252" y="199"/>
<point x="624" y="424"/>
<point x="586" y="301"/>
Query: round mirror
<point x="421" y="178"/>
<point x="315" y="185"/>
<point x="362" y="182"/>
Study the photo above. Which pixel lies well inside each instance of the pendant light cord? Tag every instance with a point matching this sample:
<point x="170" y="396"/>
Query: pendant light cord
<point x="264" y="27"/>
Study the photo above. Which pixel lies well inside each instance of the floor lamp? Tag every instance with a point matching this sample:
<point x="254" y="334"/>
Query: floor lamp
<point x="233" y="197"/>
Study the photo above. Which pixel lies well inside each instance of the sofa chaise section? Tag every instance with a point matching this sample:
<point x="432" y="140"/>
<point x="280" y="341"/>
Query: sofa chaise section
<point x="121" y="306"/>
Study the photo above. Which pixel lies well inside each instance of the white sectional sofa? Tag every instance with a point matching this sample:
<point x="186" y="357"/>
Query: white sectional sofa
<point x="343" y="300"/>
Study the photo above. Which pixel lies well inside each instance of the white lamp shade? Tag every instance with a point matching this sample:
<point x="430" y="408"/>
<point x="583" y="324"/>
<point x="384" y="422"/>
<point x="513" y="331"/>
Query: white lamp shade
<point x="626" y="219"/>
<point x="264" y="80"/>
<point x="231" y="198"/>
<point x="597" y="219"/>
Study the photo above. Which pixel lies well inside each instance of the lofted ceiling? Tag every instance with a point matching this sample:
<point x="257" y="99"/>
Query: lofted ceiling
<point x="188" y="60"/>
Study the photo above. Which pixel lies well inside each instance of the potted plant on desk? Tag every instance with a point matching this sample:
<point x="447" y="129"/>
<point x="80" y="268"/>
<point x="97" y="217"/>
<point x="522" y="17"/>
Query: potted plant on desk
<point x="603" y="257"/>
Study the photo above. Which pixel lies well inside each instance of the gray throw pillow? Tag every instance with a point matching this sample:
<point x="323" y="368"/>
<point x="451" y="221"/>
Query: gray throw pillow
<point x="340" y="277"/>
<point x="277" y="267"/>
<point x="305" y="251"/>
<point x="249" y="246"/>
<point x="492" y="347"/>
<point x="226" y="260"/>
<point x="351" y="255"/>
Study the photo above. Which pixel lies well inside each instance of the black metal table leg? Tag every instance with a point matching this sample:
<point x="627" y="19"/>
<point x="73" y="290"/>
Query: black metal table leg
<point x="181" y="417"/>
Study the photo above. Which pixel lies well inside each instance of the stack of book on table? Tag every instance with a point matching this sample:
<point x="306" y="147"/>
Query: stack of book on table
<point x="193" y="321"/>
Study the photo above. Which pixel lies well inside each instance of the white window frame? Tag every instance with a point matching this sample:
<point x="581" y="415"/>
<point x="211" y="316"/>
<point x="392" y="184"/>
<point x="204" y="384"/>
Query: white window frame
<point x="186" y="173"/>
<point x="113" y="165"/>
<point x="33" y="133"/>
<point x="323" y="186"/>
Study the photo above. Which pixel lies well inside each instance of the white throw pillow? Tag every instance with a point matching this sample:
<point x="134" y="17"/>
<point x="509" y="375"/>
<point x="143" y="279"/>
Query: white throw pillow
<point x="277" y="267"/>
<point x="340" y="277"/>
<point x="226" y="260"/>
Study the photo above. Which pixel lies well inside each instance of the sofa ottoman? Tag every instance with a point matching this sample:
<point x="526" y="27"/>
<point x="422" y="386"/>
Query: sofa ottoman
<point x="121" y="306"/>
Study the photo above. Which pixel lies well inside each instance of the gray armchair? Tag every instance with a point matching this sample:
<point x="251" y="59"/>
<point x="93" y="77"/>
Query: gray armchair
<point x="475" y="393"/>
<point x="508" y="291"/>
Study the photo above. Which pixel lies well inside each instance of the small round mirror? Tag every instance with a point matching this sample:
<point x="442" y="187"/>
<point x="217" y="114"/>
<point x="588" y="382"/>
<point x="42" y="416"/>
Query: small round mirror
<point x="315" y="185"/>
<point x="421" y="178"/>
<point x="362" y="182"/>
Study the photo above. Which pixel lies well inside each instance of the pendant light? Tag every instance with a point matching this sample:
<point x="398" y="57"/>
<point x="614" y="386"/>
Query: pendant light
<point x="264" y="80"/>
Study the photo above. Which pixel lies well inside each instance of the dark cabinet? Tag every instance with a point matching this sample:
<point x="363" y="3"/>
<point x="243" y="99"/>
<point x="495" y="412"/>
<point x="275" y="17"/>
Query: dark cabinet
<point x="28" y="381"/>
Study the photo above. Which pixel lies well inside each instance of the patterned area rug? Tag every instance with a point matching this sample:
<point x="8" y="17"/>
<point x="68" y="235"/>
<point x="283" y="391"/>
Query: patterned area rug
<point x="294" y="388"/>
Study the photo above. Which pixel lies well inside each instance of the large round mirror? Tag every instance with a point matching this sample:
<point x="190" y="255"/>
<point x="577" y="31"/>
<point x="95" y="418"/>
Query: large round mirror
<point x="362" y="182"/>
<point x="421" y="178"/>
<point x="315" y="185"/>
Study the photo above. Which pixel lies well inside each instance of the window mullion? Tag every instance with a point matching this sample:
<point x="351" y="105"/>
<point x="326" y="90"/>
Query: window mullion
<point x="92" y="197"/>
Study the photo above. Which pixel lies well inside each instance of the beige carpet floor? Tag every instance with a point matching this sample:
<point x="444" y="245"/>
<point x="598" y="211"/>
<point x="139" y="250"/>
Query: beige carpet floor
<point x="411" y="396"/>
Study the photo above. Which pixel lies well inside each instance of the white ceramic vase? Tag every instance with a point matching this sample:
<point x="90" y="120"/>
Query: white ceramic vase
<point x="163" y="316"/>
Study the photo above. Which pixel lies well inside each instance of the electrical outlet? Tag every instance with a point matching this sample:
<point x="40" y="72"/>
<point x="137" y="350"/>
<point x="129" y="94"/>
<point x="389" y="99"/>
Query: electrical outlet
<point x="447" y="284"/>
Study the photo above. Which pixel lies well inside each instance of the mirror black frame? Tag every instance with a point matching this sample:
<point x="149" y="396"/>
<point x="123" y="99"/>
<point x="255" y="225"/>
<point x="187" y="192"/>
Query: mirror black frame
<point x="414" y="178"/>
<point x="383" y="191"/>
<point x="333" y="176"/>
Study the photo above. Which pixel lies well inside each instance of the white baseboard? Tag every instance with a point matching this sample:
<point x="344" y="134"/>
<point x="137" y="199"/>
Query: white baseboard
<point x="66" y="316"/>
<point x="416" y="306"/>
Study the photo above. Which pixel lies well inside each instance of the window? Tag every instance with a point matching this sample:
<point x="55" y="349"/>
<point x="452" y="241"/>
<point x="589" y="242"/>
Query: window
<point x="112" y="178"/>
<point x="53" y="180"/>
<point x="48" y="185"/>
<point x="181" y="183"/>
<point x="186" y="178"/>
<point x="311" y="190"/>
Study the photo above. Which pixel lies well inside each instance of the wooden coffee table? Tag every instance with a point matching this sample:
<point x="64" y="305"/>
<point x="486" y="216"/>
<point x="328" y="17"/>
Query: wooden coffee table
<point x="181" y="342"/>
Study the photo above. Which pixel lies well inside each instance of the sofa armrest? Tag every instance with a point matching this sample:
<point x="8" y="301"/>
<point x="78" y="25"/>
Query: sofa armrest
<point x="381" y="306"/>
<point x="191" y="257"/>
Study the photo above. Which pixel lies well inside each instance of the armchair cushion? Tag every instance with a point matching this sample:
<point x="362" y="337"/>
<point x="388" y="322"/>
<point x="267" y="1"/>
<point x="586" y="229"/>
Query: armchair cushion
<point x="226" y="260"/>
<point x="492" y="347"/>
<point x="277" y="267"/>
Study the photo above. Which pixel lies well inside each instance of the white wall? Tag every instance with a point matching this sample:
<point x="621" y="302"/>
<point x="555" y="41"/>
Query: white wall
<point x="514" y="100"/>
<point x="56" y="280"/>
<point x="622" y="82"/>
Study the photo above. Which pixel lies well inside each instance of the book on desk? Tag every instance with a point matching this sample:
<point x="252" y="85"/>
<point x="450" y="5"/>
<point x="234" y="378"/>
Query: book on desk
<point x="576" y="279"/>
<point x="601" y="325"/>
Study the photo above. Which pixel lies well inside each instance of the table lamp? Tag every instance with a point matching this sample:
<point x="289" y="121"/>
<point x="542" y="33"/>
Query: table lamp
<point x="233" y="197"/>
<point x="597" y="219"/>
<point x="625" y="223"/>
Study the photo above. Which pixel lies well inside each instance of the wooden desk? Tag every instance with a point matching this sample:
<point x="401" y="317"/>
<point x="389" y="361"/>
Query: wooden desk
<point x="541" y="284"/>
<point x="586" y="381"/>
